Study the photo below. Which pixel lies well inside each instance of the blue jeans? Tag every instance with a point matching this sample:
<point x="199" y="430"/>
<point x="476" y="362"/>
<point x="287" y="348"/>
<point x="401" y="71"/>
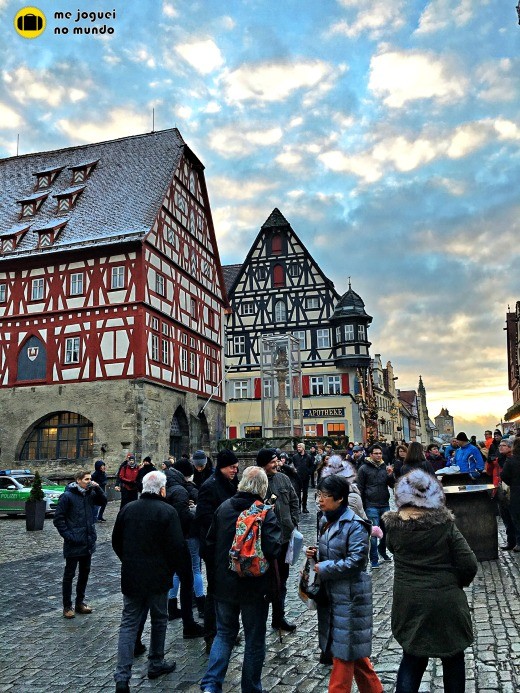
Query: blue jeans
<point x="412" y="668"/>
<point x="254" y="617"/>
<point x="135" y="610"/>
<point x="374" y="515"/>
<point x="198" y="584"/>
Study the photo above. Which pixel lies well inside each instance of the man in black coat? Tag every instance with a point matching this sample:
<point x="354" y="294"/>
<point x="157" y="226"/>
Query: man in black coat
<point x="304" y="465"/>
<point x="203" y="467"/>
<point x="74" y="520"/>
<point x="213" y="492"/>
<point x="148" y="540"/>
<point x="240" y="597"/>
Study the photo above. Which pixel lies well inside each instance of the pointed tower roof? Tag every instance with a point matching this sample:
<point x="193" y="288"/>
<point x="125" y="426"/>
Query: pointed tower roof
<point x="275" y="219"/>
<point x="350" y="304"/>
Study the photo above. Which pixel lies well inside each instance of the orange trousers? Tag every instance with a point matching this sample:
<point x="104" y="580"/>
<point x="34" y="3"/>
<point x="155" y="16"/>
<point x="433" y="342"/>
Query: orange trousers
<point x="343" y="673"/>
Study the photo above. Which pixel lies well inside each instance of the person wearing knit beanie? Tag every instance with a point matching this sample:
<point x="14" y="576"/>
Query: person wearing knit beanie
<point x="266" y="455"/>
<point x="433" y="563"/>
<point x="226" y="458"/>
<point x="185" y="467"/>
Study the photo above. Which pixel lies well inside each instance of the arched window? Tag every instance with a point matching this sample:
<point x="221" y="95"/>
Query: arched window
<point x="62" y="436"/>
<point x="278" y="276"/>
<point x="276" y="244"/>
<point x="280" y="311"/>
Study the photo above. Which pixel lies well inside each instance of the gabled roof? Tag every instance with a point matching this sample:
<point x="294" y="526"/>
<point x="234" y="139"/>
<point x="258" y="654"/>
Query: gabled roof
<point x="230" y="273"/>
<point x="121" y="197"/>
<point x="408" y="396"/>
<point x="277" y="220"/>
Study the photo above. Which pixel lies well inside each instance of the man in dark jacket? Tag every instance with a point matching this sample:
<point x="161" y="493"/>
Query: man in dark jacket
<point x="148" y="540"/>
<point x="100" y="477"/>
<point x="144" y="469"/>
<point x="281" y="495"/>
<point x="236" y="596"/>
<point x="373" y="479"/>
<point x="74" y="520"/>
<point x="177" y="496"/>
<point x="203" y="467"/>
<point x="213" y="492"/>
<point x="304" y="465"/>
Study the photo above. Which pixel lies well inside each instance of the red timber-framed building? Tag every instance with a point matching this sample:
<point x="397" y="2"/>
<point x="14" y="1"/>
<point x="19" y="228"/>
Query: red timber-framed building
<point x="111" y="304"/>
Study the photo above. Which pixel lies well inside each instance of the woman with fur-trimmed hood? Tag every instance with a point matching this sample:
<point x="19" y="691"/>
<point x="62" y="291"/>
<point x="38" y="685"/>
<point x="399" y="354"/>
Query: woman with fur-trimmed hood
<point x="343" y="468"/>
<point x="433" y="562"/>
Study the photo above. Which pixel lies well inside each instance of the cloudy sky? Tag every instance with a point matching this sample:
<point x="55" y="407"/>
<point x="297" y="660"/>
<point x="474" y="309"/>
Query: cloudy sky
<point x="387" y="132"/>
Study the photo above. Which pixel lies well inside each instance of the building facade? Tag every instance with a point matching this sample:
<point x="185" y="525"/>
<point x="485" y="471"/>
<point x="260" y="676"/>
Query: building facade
<point x="512" y="416"/>
<point x="445" y="425"/>
<point x="111" y="304"/>
<point x="278" y="291"/>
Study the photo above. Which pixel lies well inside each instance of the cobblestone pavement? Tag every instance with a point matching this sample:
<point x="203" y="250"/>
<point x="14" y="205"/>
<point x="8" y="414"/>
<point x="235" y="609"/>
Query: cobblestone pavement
<point x="40" y="651"/>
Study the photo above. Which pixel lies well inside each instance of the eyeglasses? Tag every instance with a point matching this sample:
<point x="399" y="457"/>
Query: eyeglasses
<point x="320" y="494"/>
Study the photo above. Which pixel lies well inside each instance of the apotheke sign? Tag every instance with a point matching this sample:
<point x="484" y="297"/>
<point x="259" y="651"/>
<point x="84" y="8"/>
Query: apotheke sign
<point x="316" y="413"/>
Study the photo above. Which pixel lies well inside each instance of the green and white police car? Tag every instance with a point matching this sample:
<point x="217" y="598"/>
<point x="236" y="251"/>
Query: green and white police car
<point x="15" y="486"/>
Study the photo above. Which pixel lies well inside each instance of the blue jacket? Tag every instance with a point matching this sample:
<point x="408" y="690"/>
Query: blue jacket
<point x="469" y="460"/>
<point x="74" y="519"/>
<point x="347" y="620"/>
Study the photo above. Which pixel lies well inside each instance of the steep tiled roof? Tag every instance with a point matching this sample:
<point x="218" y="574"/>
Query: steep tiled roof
<point x="230" y="273"/>
<point x="121" y="197"/>
<point x="408" y="396"/>
<point x="276" y="218"/>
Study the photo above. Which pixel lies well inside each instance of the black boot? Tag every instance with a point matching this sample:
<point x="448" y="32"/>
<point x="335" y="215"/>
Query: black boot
<point x="200" y="601"/>
<point x="193" y="630"/>
<point x="173" y="610"/>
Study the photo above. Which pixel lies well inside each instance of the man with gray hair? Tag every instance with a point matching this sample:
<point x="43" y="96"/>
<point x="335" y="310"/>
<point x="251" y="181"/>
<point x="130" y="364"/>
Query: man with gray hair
<point x="237" y="596"/>
<point x="148" y="540"/>
<point x="505" y="452"/>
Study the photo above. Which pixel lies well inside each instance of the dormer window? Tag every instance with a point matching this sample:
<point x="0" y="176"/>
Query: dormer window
<point x="12" y="237"/>
<point x="68" y="198"/>
<point x="44" y="179"/>
<point x="32" y="204"/>
<point x="81" y="172"/>
<point x="48" y="235"/>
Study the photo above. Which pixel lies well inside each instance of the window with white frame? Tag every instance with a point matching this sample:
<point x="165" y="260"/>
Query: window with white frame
<point x="37" y="289"/>
<point x="349" y="333"/>
<point x="3" y="293"/>
<point x="72" y="350"/>
<point x="309" y="430"/>
<point x="316" y="385"/>
<point x="268" y="388"/>
<point x="362" y="334"/>
<point x="159" y="284"/>
<point x="239" y="345"/>
<point x="118" y="277"/>
<point x="301" y="336"/>
<point x="280" y="311"/>
<point x="193" y="363"/>
<point x="165" y="351"/>
<point x="165" y="329"/>
<point x="247" y="308"/>
<point x="207" y="369"/>
<point x="338" y="335"/>
<point x="155" y="324"/>
<point x="193" y="307"/>
<point x="261" y="273"/>
<point x="294" y="269"/>
<point x="323" y="338"/>
<point x="184" y="359"/>
<point x="334" y="384"/>
<point x="155" y="347"/>
<point x="240" y="389"/>
<point x="312" y="302"/>
<point x="76" y="284"/>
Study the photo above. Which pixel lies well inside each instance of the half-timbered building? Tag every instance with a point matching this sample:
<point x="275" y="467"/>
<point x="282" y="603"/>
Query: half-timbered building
<point x="278" y="290"/>
<point x="111" y="303"/>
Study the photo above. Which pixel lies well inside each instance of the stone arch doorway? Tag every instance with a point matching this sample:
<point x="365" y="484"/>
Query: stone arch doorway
<point x="203" y="442"/>
<point x="179" y="433"/>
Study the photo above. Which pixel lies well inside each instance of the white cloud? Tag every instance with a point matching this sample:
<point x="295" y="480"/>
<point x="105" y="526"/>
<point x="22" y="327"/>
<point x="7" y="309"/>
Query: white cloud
<point x="288" y="158"/>
<point x="399" y="77"/>
<point x="231" y="141"/>
<point x="8" y="117"/>
<point x="498" y="80"/>
<point x="405" y="154"/>
<point x="375" y="18"/>
<point x="274" y="81"/>
<point x="117" y="123"/>
<point x="169" y="10"/>
<point x="232" y="189"/>
<point x="204" y="55"/>
<point x="41" y="85"/>
<point x="212" y="107"/>
<point x="441" y="14"/>
<point x="183" y="112"/>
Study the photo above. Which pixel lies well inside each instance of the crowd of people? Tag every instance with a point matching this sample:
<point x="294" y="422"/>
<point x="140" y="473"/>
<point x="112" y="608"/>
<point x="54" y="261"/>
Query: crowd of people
<point x="186" y="514"/>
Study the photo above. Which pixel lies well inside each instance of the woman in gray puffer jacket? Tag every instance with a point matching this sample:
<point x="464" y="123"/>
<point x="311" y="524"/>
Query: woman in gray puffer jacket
<point x="345" y="621"/>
